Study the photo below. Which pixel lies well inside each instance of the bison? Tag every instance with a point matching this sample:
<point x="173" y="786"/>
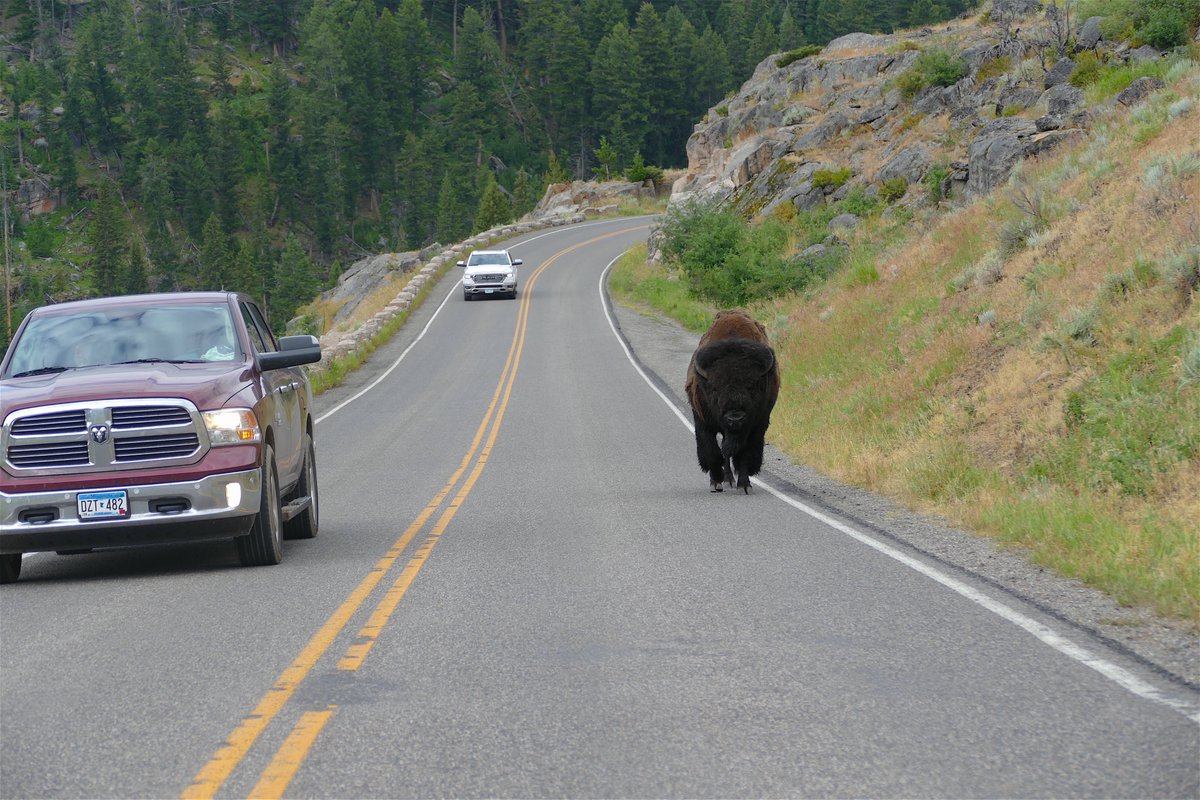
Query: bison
<point x="732" y="385"/>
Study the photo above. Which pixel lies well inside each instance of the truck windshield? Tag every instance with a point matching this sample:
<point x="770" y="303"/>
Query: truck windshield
<point x="173" y="333"/>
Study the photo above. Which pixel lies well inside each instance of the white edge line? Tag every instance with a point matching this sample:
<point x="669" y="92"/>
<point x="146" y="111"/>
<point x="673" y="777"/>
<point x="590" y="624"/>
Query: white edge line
<point x="1044" y="633"/>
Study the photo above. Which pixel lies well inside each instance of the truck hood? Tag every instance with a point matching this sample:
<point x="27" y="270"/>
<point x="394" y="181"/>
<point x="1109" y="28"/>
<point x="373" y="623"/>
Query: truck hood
<point x="206" y="385"/>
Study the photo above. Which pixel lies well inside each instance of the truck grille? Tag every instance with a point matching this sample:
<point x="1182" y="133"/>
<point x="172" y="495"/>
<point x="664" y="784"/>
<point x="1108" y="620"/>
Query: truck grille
<point x="41" y="456"/>
<point x="43" y="424"/>
<point x="149" y="417"/>
<point x="146" y="448"/>
<point x="116" y="435"/>
<point x="490" y="278"/>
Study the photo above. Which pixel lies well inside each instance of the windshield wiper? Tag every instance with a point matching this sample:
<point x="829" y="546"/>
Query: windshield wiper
<point x="162" y="361"/>
<point x="41" y="371"/>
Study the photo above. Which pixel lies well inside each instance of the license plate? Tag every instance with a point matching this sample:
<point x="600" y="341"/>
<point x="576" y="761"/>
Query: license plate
<point x="488" y="291"/>
<point x="103" y="505"/>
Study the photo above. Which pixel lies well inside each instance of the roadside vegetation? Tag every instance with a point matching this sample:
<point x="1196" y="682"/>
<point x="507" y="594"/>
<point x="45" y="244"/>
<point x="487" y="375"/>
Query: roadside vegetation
<point x="1027" y="365"/>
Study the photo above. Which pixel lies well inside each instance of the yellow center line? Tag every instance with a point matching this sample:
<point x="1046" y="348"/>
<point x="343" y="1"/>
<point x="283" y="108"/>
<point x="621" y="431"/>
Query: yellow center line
<point x="217" y="770"/>
<point x="291" y="755"/>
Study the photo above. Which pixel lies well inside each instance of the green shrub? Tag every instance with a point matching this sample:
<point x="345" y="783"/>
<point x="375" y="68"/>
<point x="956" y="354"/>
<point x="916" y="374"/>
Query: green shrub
<point x="858" y="202"/>
<point x="1087" y="69"/>
<point x="1161" y="23"/>
<point x="893" y="189"/>
<point x="640" y="171"/>
<point x="728" y="262"/>
<point x="41" y="238"/>
<point x="934" y="178"/>
<point x="797" y="54"/>
<point x="831" y="178"/>
<point x="993" y="68"/>
<point x="931" y="68"/>
<point x="1165" y="30"/>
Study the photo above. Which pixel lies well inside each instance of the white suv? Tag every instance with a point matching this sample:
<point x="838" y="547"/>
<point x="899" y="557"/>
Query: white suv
<point x="489" y="272"/>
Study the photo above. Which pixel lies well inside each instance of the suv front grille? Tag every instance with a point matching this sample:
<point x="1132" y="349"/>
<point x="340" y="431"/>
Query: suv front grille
<point x="109" y="435"/>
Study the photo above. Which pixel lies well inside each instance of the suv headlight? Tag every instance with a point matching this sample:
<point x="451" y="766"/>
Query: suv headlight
<point x="231" y="426"/>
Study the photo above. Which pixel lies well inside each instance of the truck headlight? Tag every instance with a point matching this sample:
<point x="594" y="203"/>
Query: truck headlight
<point x="468" y="280"/>
<point x="232" y="426"/>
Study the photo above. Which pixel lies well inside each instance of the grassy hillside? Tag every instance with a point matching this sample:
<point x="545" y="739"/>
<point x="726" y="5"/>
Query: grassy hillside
<point x="1027" y="365"/>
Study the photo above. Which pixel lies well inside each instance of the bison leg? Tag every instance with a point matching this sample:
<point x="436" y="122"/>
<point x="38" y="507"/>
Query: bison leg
<point x="748" y="461"/>
<point x="709" y="455"/>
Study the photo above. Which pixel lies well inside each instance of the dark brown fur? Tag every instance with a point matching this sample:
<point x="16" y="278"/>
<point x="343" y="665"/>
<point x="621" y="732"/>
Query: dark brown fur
<point x="732" y="386"/>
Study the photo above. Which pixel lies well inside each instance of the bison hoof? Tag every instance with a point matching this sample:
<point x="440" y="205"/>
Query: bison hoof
<point x="715" y="486"/>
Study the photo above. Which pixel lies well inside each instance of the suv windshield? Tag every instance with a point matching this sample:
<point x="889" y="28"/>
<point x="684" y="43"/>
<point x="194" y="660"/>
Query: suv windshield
<point x="175" y="333"/>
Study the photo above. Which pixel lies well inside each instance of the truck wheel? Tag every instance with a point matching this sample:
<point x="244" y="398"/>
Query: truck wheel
<point x="263" y="546"/>
<point x="304" y="524"/>
<point x="10" y="567"/>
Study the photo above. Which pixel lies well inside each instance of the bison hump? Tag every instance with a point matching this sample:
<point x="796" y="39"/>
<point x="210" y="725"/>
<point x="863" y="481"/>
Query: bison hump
<point x="742" y="353"/>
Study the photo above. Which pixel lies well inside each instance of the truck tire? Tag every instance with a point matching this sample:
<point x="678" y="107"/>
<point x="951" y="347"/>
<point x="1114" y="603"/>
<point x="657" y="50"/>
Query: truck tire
<point x="304" y="524"/>
<point x="263" y="546"/>
<point x="10" y="567"/>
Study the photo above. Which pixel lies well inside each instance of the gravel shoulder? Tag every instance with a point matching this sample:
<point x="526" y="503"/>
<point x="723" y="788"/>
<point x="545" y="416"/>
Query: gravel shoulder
<point x="1167" y="647"/>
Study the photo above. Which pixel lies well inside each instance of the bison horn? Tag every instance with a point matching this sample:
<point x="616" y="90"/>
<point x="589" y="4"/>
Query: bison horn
<point x="699" y="371"/>
<point x="771" y="365"/>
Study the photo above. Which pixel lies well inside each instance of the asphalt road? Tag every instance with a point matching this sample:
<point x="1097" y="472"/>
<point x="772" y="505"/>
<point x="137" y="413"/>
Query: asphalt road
<point x="523" y="588"/>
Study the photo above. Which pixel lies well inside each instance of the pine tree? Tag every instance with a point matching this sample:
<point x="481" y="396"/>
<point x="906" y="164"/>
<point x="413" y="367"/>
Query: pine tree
<point x="617" y="102"/>
<point x="135" y="279"/>
<point x="417" y="200"/>
<point x="553" y="48"/>
<point x="495" y="208"/>
<point x="524" y="197"/>
<point x="214" y="256"/>
<point x="364" y="102"/>
<point x="243" y="274"/>
<point x="555" y="172"/>
<point x="295" y="283"/>
<point x="607" y="159"/>
<point x="452" y="222"/>
<point x="108" y="236"/>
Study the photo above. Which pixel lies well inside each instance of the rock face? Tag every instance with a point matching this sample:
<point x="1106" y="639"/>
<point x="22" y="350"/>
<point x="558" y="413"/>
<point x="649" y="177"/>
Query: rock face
<point x="361" y="278"/>
<point x="564" y="199"/>
<point x="840" y="110"/>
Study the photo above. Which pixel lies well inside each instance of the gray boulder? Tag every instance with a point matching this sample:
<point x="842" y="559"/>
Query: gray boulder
<point x="1089" y="33"/>
<point x="910" y="164"/>
<point x="1015" y="7"/>
<point x="1144" y="53"/>
<point x="1139" y="90"/>
<point x="1059" y="73"/>
<point x="1062" y="99"/>
<point x="835" y="124"/>
<point x="994" y="151"/>
<point x="843" y="222"/>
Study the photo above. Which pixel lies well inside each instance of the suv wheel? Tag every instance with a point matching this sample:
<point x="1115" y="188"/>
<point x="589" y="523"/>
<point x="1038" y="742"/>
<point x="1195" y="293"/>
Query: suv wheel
<point x="263" y="546"/>
<point x="304" y="524"/>
<point x="10" y="567"/>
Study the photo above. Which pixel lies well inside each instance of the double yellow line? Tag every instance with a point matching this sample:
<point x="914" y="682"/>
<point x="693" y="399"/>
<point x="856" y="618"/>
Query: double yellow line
<point x="275" y="778"/>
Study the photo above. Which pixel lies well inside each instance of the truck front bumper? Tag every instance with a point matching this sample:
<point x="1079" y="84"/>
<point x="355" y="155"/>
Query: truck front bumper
<point x="215" y="507"/>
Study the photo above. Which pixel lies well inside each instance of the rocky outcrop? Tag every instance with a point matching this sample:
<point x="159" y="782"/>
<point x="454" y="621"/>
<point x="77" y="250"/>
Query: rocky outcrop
<point x="840" y="110"/>
<point x="587" y="197"/>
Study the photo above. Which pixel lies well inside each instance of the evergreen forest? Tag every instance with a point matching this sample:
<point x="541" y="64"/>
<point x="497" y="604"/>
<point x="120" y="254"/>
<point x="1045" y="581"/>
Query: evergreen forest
<point x="262" y="145"/>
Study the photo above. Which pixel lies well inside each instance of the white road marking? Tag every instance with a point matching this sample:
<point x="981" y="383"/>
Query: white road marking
<point x="1044" y="633"/>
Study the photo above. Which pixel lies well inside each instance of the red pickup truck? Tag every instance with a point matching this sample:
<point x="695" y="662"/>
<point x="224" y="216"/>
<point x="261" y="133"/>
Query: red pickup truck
<point x="155" y="418"/>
